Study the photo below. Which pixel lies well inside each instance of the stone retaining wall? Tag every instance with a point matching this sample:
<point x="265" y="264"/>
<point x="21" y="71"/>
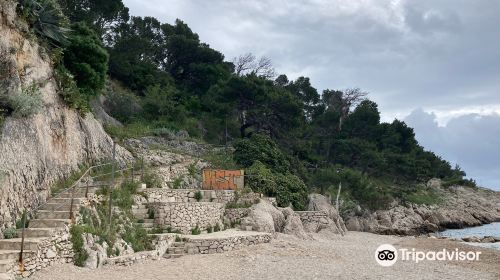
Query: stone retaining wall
<point x="235" y="215"/>
<point x="211" y="246"/>
<point x="313" y="221"/>
<point x="161" y="242"/>
<point x="55" y="250"/>
<point x="184" y="216"/>
<point x="187" y="195"/>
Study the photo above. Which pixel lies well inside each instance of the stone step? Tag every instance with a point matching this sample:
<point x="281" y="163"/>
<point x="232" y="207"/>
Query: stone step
<point x="176" y="250"/>
<point x="6" y="265"/>
<point x="172" y="256"/>
<point x="30" y="244"/>
<point x="49" y="223"/>
<point x="147" y="225"/>
<point x="58" y="207"/>
<point x="179" y="244"/>
<point x="14" y="254"/>
<point x="47" y="214"/>
<point x="65" y="200"/>
<point x="36" y="232"/>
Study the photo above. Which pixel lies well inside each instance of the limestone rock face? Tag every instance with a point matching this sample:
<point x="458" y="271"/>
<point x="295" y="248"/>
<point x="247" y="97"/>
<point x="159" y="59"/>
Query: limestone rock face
<point x="264" y="217"/>
<point x="461" y="207"/>
<point x="97" y="252"/>
<point x="318" y="202"/>
<point x="37" y="151"/>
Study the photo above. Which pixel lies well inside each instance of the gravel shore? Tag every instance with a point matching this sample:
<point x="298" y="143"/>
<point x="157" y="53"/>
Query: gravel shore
<point x="326" y="257"/>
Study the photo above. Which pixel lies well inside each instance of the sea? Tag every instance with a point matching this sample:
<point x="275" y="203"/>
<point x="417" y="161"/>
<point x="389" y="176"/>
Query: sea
<point x="492" y="229"/>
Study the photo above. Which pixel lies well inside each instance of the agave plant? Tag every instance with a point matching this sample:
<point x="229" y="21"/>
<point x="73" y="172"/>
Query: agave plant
<point x="45" y="17"/>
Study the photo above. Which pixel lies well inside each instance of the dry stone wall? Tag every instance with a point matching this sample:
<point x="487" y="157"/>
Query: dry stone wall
<point x="313" y="221"/>
<point x="157" y="195"/>
<point x="235" y="215"/>
<point x="55" y="250"/>
<point x="220" y="245"/>
<point x="184" y="216"/>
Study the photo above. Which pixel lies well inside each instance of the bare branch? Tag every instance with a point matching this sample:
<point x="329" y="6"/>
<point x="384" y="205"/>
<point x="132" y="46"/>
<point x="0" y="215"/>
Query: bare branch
<point x="244" y="63"/>
<point x="248" y="64"/>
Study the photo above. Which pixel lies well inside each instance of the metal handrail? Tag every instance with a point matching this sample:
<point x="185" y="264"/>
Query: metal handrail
<point x="30" y="212"/>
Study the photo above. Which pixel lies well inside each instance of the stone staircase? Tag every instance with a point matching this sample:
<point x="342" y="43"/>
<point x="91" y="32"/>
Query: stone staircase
<point x="176" y="250"/>
<point x="141" y="214"/>
<point x="51" y="217"/>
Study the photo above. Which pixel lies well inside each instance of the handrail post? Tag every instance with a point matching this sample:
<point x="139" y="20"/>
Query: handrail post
<point x="111" y="188"/>
<point x="142" y="169"/>
<point x="71" y="216"/>
<point x="87" y="188"/>
<point x="23" y="222"/>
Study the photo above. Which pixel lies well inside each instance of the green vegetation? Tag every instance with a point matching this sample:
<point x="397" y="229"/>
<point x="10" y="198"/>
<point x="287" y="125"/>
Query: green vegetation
<point x="216" y="228"/>
<point x="198" y="196"/>
<point x="80" y="254"/>
<point x="27" y="103"/>
<point x="290" y="138"/>
<point x="10" y="233"/>
<point x="196" y="231"/>
<point x="178" y="238"/>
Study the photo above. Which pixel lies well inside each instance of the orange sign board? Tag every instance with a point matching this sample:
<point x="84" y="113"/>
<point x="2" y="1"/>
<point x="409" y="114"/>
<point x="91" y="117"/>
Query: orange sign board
<point x="217" y="179"/>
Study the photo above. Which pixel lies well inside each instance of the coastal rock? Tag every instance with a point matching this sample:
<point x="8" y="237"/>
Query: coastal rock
<point x="293" y="224"/>
<point x="318" y="202"/>
<point x="264" y="217"/>
<point x="461" y="207"/>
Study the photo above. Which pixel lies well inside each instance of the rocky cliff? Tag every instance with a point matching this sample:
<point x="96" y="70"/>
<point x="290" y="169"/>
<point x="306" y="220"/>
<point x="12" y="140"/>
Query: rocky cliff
<point x="38" y="150"/>
<point x="461" y="207"/>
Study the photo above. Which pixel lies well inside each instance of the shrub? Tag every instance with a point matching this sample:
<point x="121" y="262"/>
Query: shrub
<point x="216" y="228"/>
<point x="87" y="59"/>
<point x="210" y="229"/>
<point x="10" y="233"/>
<point x="198" y="196"/>
<point x="27" y="103"/>
<point x="178" y="238"/>
<point x="46" y="18"/>
<point x="261" y="148"/>
<point x="151" y="213"/>
<point x="80" y="254"/>
<point x="138" y="238"/>
<point x="196" y="230"/>
<point x="69" y="90"/>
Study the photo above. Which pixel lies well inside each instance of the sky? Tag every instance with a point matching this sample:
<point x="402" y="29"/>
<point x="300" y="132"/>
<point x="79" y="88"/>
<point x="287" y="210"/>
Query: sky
<point x="433" y="63"/>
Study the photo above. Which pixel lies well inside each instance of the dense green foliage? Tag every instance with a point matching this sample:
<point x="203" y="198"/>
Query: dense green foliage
<point x="87" y="59"/>
<point x="289" y="136"/>
<point x="76" y="238"/>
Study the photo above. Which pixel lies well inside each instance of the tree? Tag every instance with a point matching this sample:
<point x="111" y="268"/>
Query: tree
<point x="247" y="64"/>
<point x="260" y="148"/>
<point x="86" y="58"/>
<point x="100" y="15"/>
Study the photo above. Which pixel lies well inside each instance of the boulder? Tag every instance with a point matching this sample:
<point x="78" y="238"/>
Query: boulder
<point x="264" y="217"/>
<point x="318" y="202"/>
<point x="97" y="252"/>
<point x="293" y="224"/>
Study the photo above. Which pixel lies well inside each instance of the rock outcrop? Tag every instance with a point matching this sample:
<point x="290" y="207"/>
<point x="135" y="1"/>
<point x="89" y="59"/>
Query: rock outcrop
<point x="462" y="207"/>
<point x="39" y="150"/>
<point x="264" y="217"/>
<point x="293" y="224"/>
<point x="318" y="202"/>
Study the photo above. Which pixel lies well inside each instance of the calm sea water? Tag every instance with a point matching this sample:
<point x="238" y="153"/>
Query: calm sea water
<point x="492" y="229"/>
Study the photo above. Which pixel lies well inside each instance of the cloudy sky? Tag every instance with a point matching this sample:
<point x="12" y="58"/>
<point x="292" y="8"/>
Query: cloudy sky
<point x="433" y="63"/>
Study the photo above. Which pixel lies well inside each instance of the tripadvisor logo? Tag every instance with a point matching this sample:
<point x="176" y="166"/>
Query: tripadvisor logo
<point x="387" y="255"/>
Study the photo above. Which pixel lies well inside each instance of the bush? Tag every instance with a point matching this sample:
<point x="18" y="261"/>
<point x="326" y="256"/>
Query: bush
<point x="216" y="228"/>
<point x="198" y="196"/>
<point x="123" y="197"/>
<point x="196" y="230"/>
<point x="76" y="239"/>
<point x="27" y="103"/>
<point x="87" y="59"/>
<point x="138" y="237"/>
<point x="69" y="90"/>
<point x="261" y="148"/>
<point x="210" y="229"/>
<point x="178" y="238"/>
<point x="10" y="233"/>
